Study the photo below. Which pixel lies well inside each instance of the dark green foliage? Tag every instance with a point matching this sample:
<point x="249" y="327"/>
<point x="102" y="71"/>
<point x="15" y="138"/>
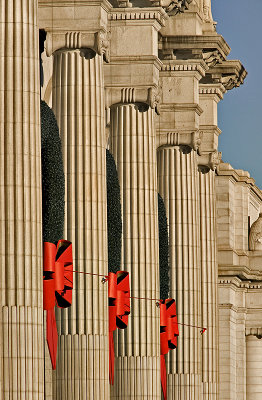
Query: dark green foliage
<point x="114" y="219"/>
<point x="53" y="179"/>
<point x="163" y="250"/>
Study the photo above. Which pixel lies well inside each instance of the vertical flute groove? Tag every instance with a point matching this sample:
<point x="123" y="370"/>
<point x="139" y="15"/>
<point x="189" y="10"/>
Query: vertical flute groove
<point x="78" y="104"/>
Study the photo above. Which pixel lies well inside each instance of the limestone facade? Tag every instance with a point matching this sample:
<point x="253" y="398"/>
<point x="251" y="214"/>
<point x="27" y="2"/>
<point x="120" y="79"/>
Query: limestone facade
<point x="141" y="78"/>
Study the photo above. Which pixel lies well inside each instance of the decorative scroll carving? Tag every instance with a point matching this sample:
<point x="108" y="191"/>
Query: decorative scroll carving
<point x="255" y="235"/>
<point x="154" y="98"/>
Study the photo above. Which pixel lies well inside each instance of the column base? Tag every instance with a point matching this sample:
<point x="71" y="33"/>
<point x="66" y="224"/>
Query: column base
<point x="136" y="378"/>
<point x="183" y="386"/>
<point x="82" y="370"/>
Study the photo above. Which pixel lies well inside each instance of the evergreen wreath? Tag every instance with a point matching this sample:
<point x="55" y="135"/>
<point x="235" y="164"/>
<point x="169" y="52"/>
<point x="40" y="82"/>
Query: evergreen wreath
<point x="163" y="250"/>
<point x="53" y="178"/>
<point x="114" y="218"/>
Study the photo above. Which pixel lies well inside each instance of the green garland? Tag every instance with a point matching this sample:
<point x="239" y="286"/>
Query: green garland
<point x="114" y="218"/>
<point x="53" y="178"/>
<point x="163" y="250"/>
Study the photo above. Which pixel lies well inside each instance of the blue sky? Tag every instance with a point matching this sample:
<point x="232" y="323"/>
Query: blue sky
<point x="240" y="113"/>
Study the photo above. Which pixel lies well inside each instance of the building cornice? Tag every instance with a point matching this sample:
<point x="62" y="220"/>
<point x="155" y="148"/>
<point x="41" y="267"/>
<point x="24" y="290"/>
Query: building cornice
<point x="238" y="175"/>
<point x="189" y="66"/>
<point x="215" y="89"/>
<point x="139" y="15"/>
<point x="75" y="3"/>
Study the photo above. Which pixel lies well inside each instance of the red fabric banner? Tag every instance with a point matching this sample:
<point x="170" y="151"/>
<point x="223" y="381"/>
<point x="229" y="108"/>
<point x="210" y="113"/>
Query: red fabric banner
<point x="119" y="309"/>
<point x="57" y="287"/>
<point x="168" y="336"/>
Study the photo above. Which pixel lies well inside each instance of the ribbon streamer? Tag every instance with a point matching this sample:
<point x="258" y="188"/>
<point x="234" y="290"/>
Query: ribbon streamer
<point x="119" y="309"/>
<point x="168" y="336"/>
<point x="57" y="287"/>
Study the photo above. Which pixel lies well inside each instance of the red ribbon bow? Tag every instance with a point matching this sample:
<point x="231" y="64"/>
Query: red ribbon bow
<point x="168" y="336"/>
<point x="57" y="287"/>
<point x="119" y="309"/>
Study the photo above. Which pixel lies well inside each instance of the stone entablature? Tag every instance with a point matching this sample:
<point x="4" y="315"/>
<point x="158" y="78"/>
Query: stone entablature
<point x="132" y="76"/>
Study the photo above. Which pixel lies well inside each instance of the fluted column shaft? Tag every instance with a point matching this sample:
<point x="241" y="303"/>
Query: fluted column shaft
<point x="178" y="185"/>
<point x="82" y="370"/>
<point x="209" y="275"/>
<point x="21" y="314"/>
<point x="138" y="347"/>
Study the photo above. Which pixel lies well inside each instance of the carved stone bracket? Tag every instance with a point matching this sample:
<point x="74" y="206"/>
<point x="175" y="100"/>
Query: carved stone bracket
<point x="208" y="161"/>
<point x="230" y="73"/>
<point x="212" y="49"/>
<point x="97" y="42"/>
<point x="254" y="332"/>
<point x="186" y="139"/>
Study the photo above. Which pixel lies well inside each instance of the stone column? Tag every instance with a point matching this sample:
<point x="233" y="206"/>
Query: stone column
<point x="82" y="364"/>
<point x="137" y="367"/>
<point x="209" y="273"/>
<point x="254" y="368"/>
<point x="21" y="297"/>
<point x="209" y="96"/>
<point x="178" y="185"/>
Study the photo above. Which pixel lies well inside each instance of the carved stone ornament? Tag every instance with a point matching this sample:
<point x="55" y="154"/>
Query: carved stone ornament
<point x="255" y="235"/>
<point x="154" y="98"/>
<point x="124" y="4"/>
<point x="207" y="11"/>
<point x="209" y="161"/>
<point x="212" y="58"/>
<point x="175" y="6"/>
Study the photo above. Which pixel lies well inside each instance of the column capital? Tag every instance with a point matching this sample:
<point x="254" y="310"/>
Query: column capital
<point x="81" y="24"/>
<point x="144" y="96"/>
<point x="90" y="43"/>
<point x="188" y="139"/>
<point x="254" y="332"/>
